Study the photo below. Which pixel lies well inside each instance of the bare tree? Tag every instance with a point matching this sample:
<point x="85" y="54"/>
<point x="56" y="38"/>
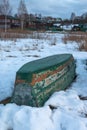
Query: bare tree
<point x="22" y="12"/>
<point x="5" y="9"/>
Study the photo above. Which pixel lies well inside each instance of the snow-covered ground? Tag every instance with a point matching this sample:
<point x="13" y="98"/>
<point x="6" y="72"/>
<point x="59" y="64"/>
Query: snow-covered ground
<point x="68" y="111"/>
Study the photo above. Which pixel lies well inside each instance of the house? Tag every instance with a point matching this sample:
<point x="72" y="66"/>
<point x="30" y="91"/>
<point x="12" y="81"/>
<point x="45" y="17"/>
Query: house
<point x="3" y="20"/>
<point x="35" y="22"/>
<point x="8" y="22"/>
<point x="14" y="22"/>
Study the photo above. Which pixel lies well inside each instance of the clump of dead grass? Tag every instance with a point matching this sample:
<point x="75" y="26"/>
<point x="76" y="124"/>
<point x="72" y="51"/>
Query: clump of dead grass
<point x="79" y="37"/>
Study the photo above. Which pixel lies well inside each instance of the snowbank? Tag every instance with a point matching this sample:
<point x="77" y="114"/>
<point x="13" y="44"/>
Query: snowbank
<point x="64" y="110"/>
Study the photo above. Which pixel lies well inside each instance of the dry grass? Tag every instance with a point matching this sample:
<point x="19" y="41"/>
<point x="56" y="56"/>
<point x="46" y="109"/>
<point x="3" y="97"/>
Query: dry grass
<point x="53" y="41"/>
<point x="78" y="37"/>
<point x="15" y="34"/>
<point x="18" y="33"/>
<point x="17" y="30"/>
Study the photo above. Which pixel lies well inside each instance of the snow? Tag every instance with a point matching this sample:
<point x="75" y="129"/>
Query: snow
<point x="67" y="27"/>
<point x="64" y="110"/>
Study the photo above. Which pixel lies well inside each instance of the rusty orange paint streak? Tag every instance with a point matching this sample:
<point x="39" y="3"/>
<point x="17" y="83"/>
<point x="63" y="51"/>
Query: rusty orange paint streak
<point x="19" y="81"/>
<point x="44" y="76"/>
<point x="36" y="79"/>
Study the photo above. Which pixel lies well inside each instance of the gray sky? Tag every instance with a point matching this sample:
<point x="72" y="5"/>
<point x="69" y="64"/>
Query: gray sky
<point x="55" y="8"/>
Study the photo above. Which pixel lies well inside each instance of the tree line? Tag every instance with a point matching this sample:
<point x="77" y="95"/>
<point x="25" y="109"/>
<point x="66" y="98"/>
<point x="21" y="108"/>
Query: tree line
<point x="22" y="14"/>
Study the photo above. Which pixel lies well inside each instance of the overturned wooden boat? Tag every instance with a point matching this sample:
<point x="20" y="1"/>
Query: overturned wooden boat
<point x="36" y="81"/>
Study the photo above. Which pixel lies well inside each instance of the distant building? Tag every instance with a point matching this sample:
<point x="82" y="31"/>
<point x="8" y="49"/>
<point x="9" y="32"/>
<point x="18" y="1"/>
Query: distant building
<point x="3" y="19"/>
<point x="10" y="22"/>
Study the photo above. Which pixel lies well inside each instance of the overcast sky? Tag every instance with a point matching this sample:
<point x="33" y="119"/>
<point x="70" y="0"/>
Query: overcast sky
<point x="55" y="8"/>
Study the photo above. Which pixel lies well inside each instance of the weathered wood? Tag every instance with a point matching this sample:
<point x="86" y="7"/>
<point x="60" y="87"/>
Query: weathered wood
<point x="5" y="101"/>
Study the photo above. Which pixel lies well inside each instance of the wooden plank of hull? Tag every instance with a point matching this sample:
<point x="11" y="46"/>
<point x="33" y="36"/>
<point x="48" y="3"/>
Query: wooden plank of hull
<point x="5" y="101"/>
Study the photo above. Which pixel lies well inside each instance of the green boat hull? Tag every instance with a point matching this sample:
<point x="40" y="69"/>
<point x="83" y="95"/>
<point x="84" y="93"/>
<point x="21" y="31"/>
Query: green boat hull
<point x="36" y="81"/>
